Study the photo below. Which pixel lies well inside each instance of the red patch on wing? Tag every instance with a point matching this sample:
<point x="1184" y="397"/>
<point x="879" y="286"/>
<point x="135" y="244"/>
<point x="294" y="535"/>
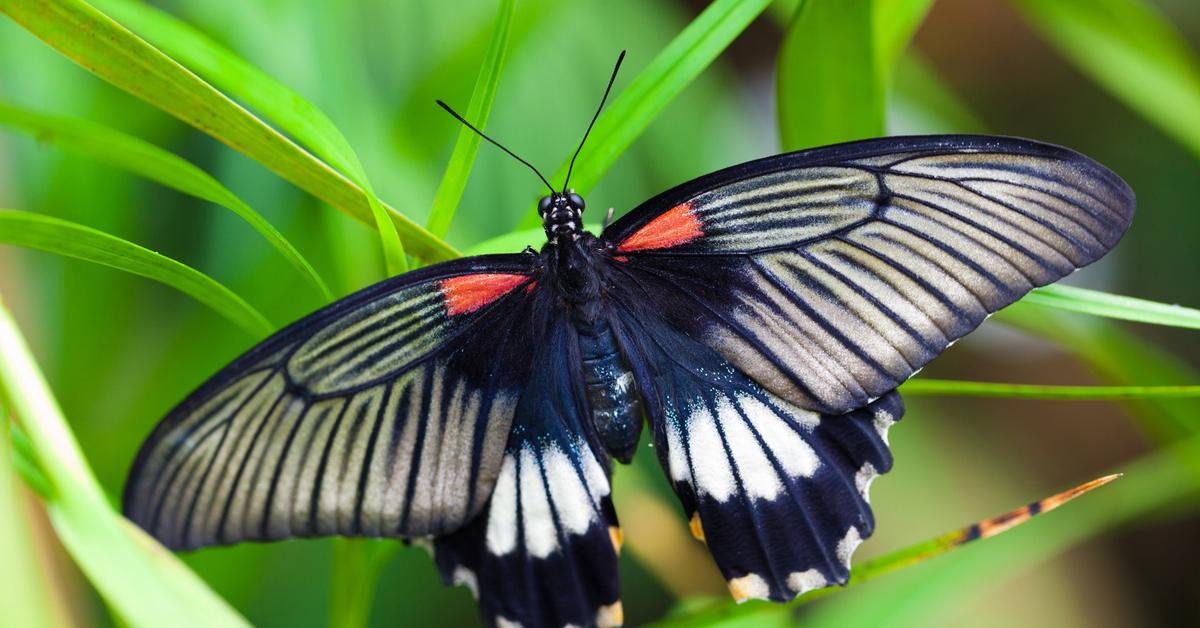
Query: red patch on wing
<point x="468" y="293"/>
<point x="673" y="227"/>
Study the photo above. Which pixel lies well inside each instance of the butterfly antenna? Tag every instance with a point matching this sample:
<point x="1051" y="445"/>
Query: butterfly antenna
<point x="498" y="144"/>
<point x="611" y="80"/>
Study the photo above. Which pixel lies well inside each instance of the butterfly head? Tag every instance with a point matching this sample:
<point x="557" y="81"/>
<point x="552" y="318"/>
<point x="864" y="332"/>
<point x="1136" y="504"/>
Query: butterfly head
<point x="562" y="216"/>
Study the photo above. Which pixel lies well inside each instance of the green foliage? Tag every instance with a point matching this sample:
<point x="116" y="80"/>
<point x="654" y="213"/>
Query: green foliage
<point x="844" y="70"/>
<point x="639" y="102"/>
<point x="65" y="238"/>
<point x="147" y="160"/>
<point x="1108" y="305"/>
<point x="110" y="51"/>
<point x="143" y="583"/>
<point x="454" y="181"/>
<point x="1129" y="48"/>
<point x="829" y="86"/>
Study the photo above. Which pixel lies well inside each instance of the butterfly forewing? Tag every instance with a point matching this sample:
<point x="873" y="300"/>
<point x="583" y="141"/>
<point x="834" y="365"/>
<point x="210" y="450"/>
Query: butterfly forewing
<point x="831" y="276"/>
<point x="386" y="414"/>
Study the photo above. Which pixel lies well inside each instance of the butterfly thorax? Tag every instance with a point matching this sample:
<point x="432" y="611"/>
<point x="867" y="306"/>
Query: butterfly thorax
<point x="613" y="396"/>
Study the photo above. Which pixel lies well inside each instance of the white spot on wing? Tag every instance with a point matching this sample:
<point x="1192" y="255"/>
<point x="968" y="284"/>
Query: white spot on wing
<point x="758" y="475"/>
<point x="883" y="421"/>
<point x="863" y="479"/>
<point x="540" y="536"/>
<point x="611" y="615"/>
<point x="749" y="586"/>
<point x="597" y="479"/>
<point x="571" y="500"/>
<point x="846" y="546"/>
<point x="788" y="446"/>
<point x="804" y="581"/>
<point x="711" y="471"/>
<point x="502" y="515"/>
<point x="504" y="622"/>
<point x="676" y="457"/>
<point x="467" y="578"/>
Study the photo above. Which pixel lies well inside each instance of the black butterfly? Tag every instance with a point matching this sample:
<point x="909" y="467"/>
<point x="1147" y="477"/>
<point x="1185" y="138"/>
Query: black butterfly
<point x="759" y="317"/>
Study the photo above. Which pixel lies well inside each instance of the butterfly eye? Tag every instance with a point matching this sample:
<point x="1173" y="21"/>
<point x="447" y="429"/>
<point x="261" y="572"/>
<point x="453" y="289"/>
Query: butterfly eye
<point x="576" y="200"/>
<point x="544" y="205"/>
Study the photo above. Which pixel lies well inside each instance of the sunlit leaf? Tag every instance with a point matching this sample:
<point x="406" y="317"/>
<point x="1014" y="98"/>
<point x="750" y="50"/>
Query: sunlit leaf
<point x="828" y="86"/>
<point x="44" y="233"/>
<point x="22" y="580"/>
<point x="1130" y="49"/>
<point x="637" y="104"/>
<point x="272" y="99"/>
<point x="104" y="47"/>
<point x="955" y="388"/>
<point x="144" y="159"/>
<point x="463" y="158"/>
<point x="143" y="583"/>
<point x="895" y="22"/>
<point x="1109" y="305"/>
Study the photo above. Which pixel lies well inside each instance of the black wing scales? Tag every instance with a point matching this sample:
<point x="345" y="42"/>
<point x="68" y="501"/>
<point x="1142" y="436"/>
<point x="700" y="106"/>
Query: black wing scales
<point x="779" y="493"/>
<point x="385" y="414"/>
<point x="830" y="276"/>
<point x="544" y="552"/>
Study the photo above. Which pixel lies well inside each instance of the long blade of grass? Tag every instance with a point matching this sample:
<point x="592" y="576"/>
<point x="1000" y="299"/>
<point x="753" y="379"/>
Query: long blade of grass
<point x="454" y="181"/>
<point x="944" y="543"/>
<point x="1109" y="305"/>
<point x="73" y="240"/>
<point x="636" y="106"/>
<point x="828" y="85"/>
<point x="1129" y="48"/>
<point x="1152" y="483"/>
<point x="107" y="49"/>
<point x="147" y="160"/>
<point x="899" y="559"/>
<point x="25" y="461"/>
<point x="22" y="581"/>
<point x="955" y="388"/>
<point x="274" y="100"/>
<point x="144" y="584"/>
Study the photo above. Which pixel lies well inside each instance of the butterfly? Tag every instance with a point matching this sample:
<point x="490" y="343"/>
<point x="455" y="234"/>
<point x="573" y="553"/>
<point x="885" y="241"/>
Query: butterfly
<point x="759" y="319"/>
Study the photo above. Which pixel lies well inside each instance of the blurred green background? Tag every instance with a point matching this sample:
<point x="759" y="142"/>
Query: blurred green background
<point x="119" y="351"/>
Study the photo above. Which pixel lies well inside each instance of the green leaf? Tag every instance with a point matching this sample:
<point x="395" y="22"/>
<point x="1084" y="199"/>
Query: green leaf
<point x="107" y="49"/>
<point x="636" y="106"/>
<point x="454" y="181"/>
<point x="1109" y="305"/>
<point x="1161" y="479"/>
<point x="829" y="88"/>
<point x="25" y="462"/>
<point x="274" y="100"/>
<point x="144" y="159"/>
<point x="954" y="388"/>
<point x="44" y="233"/>
<point x="1118" y="357"/>
<point x="1130" y="49"/>
<point x="895" y="23"/>
<point x="22" y="580"/>
<point x="143" y="583"/>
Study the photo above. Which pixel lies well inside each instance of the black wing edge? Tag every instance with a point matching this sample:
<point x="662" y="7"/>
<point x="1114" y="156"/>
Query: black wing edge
<point x="860" y="149"/>
<point x="304" y="327"/>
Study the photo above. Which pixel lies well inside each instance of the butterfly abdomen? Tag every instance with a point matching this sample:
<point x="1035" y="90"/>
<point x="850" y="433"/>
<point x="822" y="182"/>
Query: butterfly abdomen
<point x="613" y="395"/>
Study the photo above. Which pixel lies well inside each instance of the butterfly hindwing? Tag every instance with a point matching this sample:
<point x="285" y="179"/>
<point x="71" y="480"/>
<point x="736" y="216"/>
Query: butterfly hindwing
<point x="778" y="493"/>
<point x="384" y="414"/>
<point x="830" y="276"/>
<point x="544" y="551"/>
